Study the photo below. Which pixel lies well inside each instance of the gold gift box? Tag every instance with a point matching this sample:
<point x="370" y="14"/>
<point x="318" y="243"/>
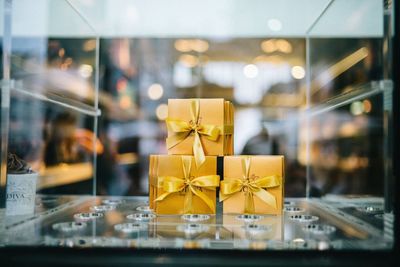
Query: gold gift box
<point x="260" y="167"/>
<point x="172" y="166"/>
<point x="213" y="111"/>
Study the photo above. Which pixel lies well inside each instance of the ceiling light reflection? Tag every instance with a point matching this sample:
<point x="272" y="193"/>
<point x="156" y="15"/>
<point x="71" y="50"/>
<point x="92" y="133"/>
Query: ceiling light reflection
<point x="268" y="46"/>
<point x="155" y="91"/>
<point x="284" y="46"/>
<point x="182" y="45"/>
<point x="197" y="45"/>
<point x="188" y="60"/>
<point x="357" y="108"/>
<point x="298" y="72"/>
<point x="162" y="111"/>
<point x="89" y="45"/>
<point x="85" y="70"/>
<point x="274" y="25"/>
<point x="367" y="106"/>
<point x="250" y="71"/>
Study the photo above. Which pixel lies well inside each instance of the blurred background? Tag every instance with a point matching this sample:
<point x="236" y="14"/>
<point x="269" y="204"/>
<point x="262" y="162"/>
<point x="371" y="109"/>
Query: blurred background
<point x="265" y="78"/>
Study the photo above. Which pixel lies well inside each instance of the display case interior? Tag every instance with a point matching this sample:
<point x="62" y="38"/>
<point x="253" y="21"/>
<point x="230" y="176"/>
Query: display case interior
<point x="84" y="103"/>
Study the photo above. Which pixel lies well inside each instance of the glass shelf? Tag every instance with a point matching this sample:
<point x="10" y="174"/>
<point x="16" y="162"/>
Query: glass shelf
<point x="56" y="99"/>
<point x="315" y="225"/>
<point x="361" y="93"/>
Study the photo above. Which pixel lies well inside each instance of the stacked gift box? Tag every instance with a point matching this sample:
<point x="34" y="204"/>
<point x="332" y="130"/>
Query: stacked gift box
<point x="186" y="181"/>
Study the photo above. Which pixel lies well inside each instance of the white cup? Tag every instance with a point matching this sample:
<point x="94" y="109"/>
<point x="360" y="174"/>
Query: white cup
<point x="21" y="193"/>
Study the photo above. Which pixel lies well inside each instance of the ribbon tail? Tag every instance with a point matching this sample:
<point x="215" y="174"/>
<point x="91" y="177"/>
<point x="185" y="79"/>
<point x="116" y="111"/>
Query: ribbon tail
<point x="198" y="151"/>
<point x="228" y="189"/>
<point x="223" y="196"/>
<point x="267" y="197"/>
<point x="176" y="138"/>
<point x="205" y="198"/>
<point x="187" y="204"/>
<point x="249" y="203"/>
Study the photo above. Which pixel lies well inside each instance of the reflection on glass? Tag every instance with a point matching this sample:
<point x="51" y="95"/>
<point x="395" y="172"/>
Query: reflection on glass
<point x="139" y="75"/>
<point x="263" y="77"/>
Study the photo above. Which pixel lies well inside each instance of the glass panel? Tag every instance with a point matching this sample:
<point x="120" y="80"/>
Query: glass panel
<point x="50" y="120"/>
<point x="349" y="125"/>
<point x="56" y="142"/>
<point x="40" y="61"/>
<point x="308" y="79"/>
<point x="341" y="65"/>
<point x="262" y="76"/>
<point x="344" y="160"/>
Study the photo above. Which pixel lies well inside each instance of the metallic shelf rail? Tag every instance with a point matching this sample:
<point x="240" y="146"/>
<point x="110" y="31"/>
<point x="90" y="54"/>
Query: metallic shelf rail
<point x="365" y="91"/>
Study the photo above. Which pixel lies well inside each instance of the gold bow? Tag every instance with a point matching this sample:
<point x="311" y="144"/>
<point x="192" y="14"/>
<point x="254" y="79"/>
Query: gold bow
<point x="171" y="184"/>
<point x="250" y="186"/>
<point x="183" y="129"/>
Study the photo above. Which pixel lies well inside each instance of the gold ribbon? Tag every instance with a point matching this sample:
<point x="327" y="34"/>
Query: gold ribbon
<point x="183" y="129"/>
<point x="189" y="185"/>
<point x="250" y="186"/>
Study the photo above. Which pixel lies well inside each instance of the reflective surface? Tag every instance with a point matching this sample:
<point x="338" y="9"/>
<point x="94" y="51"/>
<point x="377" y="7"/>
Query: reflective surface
<point x="315" y="224"/>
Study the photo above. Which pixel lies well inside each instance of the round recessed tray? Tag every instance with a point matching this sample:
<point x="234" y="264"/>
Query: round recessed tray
<point x="289" y="203"/>
<point x="112" y="202"/>
<point x="249" y="217"/>
<point x="102" y="208"/>
<point x="192" y="228"/>
<point x="370" y="209"/>
<point x="69" y="226"/>
<point x="319" y="229"/>
<point x="129" y="227"/>
<point x="256" y="228"/>
<point x="87" y="216"/>
<point x="195" y="217"/>
<point x="144" y="209"/>
<point x="304" y="218"/>
<point x="293" y="209"/>
<point x="141" y="216"/>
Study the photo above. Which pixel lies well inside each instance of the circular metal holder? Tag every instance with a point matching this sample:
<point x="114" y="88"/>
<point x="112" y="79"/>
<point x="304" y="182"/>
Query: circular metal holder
<point x="144" y="209"/>
<point x="319" y="229"/>
<point x="69" y="226"/>
<point x="192" y="228"/>
<point x="112" y="202"/>
<point x="249" y="217"/>
<point x="256" y="228"/>
<point x="141" y="216"/>
<point x="289" y="203"/>
<point x="102" y="208"/>
<point x="128" y="228"/>
<point x="195" y="217"/>
<point x="87" y="216"/>
<point x="293" y="209"/>
<point x="304" y="218"/>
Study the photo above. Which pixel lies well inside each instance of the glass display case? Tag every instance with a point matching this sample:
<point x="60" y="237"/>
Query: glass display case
<point x="83" y="101"/>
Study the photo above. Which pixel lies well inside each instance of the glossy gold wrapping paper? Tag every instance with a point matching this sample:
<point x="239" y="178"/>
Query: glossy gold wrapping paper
<point x="213" y="111"/>
<point x="261" y="166"/>
<point x="171" y="165"/>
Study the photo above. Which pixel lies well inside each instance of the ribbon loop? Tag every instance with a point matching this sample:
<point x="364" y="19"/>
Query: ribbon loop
<point x="250" y="187"/>
<point x="182" y="129"/>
